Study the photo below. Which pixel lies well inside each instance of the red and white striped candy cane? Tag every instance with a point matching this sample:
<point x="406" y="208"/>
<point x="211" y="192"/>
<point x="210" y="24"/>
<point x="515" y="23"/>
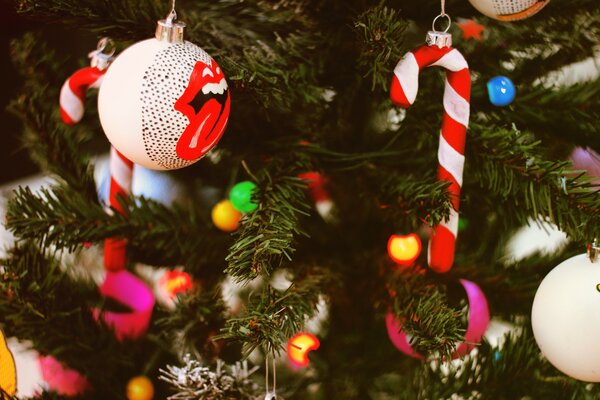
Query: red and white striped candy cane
<point x="121" y="172"/>
<point x="72" y="97"/>
<point x="72" y="94"/>
<point x="455" y="121"/>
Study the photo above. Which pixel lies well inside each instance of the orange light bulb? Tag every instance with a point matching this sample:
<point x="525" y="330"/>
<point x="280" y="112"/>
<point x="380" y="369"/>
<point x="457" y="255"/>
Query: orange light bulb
<point x="175" y="282"/>
<point x="299" y="346"/>
<point x="404" y="250"/>
<point x="225" y="216"/>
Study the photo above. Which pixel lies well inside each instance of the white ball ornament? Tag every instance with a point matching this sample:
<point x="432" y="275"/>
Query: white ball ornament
<point x="509" y="10"/>
<point x="164" y="102"/>
<point x="566" y="318"/>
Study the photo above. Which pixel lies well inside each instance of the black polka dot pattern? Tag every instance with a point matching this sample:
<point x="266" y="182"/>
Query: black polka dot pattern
<point x="508" y="7"/>
<point x="163" y="83"/>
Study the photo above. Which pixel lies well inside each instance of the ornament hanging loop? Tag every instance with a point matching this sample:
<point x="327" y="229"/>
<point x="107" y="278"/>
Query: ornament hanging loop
<point x="168" y="30"/>
<point x="436" y="20"/>
<point x="593" y="250"/>
<point x="103" y="55"/>
<point x="437" y="38"/>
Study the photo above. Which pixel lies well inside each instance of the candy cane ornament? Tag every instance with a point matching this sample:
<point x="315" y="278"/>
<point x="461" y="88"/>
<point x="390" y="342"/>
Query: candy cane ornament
<point x="121" y="173"/>
<point x="73" y="91"/>
<point x="455" y="120"/>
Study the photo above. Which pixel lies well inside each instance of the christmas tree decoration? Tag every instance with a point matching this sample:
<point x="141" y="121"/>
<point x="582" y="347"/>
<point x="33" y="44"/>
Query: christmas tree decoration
<point x="62" y="380"/>
<point x="501" y="91"/>
<point x="564" y="316"/>
<point x="509" y="10"/>
<point x="479" y="318"/>
<point x="225" y="216"/>
<point x="318" y="192"/>
<point x="8" y="370"/>
<point x="140" y="388"/>
<point x="588" y="160"/>
<point x="164" y="102"/>
<point x="173" y="283"/>
<point x="471" y="30"/>
<point x="241" y="196"/>
<point x="451" y="159"/>
<point x="342" y="173"/>
<point x="196" y="381"/>
<point x="121" y="175"/>
<point x="404" y="250"/>
<point x="299" y="346"/>
<point x="72" y="93"/>
<point x="131" y="291"/>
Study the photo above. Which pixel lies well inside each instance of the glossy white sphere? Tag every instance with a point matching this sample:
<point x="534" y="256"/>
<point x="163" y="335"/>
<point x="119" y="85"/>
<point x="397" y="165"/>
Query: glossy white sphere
<point x="163" y="105"/>
<point x="509" y="10"/>
<point x="566" y="318"/>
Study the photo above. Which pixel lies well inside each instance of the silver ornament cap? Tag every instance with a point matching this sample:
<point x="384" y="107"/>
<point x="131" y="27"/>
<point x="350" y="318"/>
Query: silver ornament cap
<point x="593" y="251"/>
<point x="439" y="39"/>
<point x="168" y="30"/>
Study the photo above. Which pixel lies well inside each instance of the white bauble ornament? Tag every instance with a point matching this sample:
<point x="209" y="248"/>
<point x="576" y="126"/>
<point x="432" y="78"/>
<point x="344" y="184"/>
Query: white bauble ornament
<point x="566" y="318"/>
<point x="164" y="102"/>
<point x="509" y="10"/>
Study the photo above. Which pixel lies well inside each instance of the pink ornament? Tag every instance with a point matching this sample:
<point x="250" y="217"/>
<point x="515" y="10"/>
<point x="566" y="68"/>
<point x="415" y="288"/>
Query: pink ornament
<point x="587" y="160"/>
<point x="130" y="290"/>
<point x="61" y="379"/>
<point x="479" y="318"/>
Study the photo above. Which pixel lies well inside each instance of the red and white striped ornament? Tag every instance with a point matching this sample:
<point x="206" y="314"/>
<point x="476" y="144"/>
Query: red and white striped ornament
<point x="72" y="94"/>
<point x="455" y="121"/>
<point x="121" y="172"/>
<point x="72" y="97"/>
<point x="73" y="91"/>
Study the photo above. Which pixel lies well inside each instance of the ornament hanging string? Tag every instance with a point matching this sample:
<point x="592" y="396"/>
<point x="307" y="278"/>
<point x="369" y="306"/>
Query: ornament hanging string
<point x="172" y="14"/>
<point x="270" y="395"/>
<point x="455" y="120"/>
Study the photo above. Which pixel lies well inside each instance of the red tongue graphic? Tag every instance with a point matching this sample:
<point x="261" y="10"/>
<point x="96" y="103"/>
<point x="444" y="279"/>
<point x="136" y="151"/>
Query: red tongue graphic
<point x="206" y="126"/>
<point x="204" y="131"/>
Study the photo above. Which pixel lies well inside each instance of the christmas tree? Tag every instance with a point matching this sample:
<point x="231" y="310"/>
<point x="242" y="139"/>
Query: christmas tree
<point x="339" y="183"/>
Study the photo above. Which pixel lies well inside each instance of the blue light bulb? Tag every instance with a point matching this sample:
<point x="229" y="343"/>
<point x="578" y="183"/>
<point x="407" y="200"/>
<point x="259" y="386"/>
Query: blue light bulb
<point x="501" y="91"/>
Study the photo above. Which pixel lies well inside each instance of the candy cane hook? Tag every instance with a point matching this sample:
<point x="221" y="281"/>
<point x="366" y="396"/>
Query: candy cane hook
<point x="455" y="121"/>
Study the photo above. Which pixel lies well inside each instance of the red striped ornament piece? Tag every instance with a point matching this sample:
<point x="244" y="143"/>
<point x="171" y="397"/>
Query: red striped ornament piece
<point x="72" y="93"/>
<point x="121" y="172"/>
<point x="455" y="120"/>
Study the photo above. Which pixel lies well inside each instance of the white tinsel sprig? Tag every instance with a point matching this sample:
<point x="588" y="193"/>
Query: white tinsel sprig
<point x="194" y="381"/>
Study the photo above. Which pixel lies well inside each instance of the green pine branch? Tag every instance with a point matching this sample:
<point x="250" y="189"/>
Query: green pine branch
<point x="272" y="317"/>
<point x="55" y="147"/>
<point x="380" y="32"/>
<point x="422" y="307"/>
<point x="513" y="370"/>
<point x="158" y="235"/>
<point x="198" y="316"/>
<point x="410" y="200"/>
<point x="48" y="307"/>
<point x="265" y="239"/>
<point x="577" y="112"/>
<point x="509" y="164"/>
<point x="267" y="50"/>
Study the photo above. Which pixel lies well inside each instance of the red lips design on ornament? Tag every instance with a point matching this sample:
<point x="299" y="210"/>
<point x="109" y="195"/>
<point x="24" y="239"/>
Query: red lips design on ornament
<point x="208" y="93"/>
